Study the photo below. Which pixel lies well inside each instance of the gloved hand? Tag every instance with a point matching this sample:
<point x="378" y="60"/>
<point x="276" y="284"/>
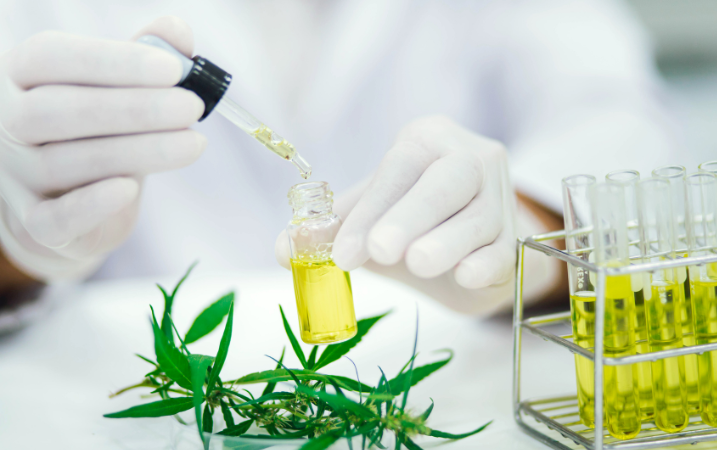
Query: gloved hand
<point x="439" y="214"/>
<point x="82" y="121"/>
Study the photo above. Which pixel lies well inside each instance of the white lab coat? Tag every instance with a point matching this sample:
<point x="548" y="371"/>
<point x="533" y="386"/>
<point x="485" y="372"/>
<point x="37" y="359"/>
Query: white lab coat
<point x="567" y="85"/>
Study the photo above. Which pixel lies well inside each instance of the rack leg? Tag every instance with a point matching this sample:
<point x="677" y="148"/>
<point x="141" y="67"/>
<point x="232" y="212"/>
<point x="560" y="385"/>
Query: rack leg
<point x="517" y="328"/>
<point x="599" y="358"/>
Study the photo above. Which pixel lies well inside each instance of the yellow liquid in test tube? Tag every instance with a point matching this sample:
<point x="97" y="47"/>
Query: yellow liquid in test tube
<point x="704" y="301"/>
<point x="582" y="310"/>
<point x="324" y="300"/>
<point x="688" y="339"/>
<point x="664" y="329"/>
<point x="644" y="369"/>
<point x="622" y="404"/>
<point x="622" y="408"/>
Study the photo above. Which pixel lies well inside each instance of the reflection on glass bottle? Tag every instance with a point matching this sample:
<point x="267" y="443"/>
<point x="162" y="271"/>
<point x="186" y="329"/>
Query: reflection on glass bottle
<point x="324" y="298"/>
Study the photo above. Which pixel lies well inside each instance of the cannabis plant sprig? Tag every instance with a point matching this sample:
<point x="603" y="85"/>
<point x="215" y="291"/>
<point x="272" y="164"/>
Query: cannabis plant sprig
<point x="319" y="407"/>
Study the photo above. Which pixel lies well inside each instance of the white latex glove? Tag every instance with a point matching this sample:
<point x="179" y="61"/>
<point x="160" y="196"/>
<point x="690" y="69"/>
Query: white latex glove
<point x="82" y="121"/>
<point x="438" y="214"/>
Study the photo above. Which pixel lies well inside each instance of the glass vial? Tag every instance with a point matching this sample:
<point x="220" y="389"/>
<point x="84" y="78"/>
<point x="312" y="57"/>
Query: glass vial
<point x="664" y="296"/>
<point x="324" y="298"/>
<point x="629" y="179"/>
<point x="577" y="213"/>
<point x="622" y="404"/>
<point x="675" y="176"/>
<point x="702" y="203"/>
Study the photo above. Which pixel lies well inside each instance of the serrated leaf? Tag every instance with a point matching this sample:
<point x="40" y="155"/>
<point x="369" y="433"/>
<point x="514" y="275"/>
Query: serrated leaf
<point x="227" y="414"/>
<point x="399" y="384"/>
<point x="169" y="303"/>
<point x="269" y="397"/>
<point x="335" y="351"/>
<point x="320" y="443"/>
<point x="199" y="365"/>
<point x="238" y="429"/>
<point x="166" y="328"/>
<point x="270" y="386"/>
<point x="181" y="281"/>
<point x="312" y="358"/>
<point x="427" y="413"/>
<point x="207" y="420"/>
<point x="209" y="319"/>
<point x="223" y="347"/>
<point x="408" y="382"/>
<point x="159" y="408"/>
<point x="279" y="375"/>
<point x="410" y="445"/>
<point x="144" y="358"/>
<point x="173" y="362"/>
<point x="339" y="402"/>
<point x="292" y="339"/>
<point x="444" y="435"/>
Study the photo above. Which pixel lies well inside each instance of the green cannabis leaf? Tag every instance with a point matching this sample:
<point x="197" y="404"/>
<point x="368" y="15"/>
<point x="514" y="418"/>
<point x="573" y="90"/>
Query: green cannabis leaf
<point x="209" y="319"/>
<point x="318" y="407"/>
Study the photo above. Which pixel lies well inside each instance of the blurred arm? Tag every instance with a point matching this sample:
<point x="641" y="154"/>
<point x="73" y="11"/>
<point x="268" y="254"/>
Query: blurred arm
<point x="13" y="283"/>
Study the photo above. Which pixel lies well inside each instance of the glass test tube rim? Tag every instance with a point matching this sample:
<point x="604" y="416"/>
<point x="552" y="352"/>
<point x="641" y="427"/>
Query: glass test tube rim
<point x="670" y="171"/>
<point x="576" y="180"/>
<point x="699" y="178"/>
<point x="704" y="167"/>
<point x="631" y="176"/>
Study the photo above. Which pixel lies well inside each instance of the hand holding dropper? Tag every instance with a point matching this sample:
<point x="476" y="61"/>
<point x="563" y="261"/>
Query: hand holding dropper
<point x="210" y="83"/>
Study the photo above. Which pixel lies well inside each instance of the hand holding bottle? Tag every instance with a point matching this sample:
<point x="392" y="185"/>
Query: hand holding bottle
<point x="83" y="120"/>
<point x="438" y="214"/>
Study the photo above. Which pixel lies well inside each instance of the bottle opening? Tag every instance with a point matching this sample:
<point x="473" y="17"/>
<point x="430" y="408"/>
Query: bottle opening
<point x="311" y="198"/>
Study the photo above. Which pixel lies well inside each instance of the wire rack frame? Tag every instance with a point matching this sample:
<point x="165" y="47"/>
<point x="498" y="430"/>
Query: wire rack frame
<point x="555" y="420"/>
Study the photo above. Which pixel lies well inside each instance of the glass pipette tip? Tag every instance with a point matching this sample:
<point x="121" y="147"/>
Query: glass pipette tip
<point x="256" y="129"/>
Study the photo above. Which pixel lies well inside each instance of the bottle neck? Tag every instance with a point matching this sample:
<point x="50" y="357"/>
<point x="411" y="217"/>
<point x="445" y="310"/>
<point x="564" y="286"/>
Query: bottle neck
<point x="311" y="200"/>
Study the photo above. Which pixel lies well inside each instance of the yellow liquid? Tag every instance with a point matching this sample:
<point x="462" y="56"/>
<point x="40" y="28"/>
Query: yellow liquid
<point x="664" y="329"/>
<point x="622" y="403"/>
<point x="692" y="374"/>
<point x="644" y="370"/>
<point x="704" y="309"/>
<point x="324" y="300"/>
<point x="276" y="144"/>
<point x="582" y="310"/>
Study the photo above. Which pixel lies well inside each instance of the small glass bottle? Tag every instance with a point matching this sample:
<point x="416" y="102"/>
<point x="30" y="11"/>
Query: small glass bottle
<point x="324" y="298"/>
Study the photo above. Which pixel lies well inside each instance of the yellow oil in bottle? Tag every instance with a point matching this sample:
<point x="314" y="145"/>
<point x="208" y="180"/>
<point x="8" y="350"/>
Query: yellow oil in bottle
<point x="622" y="403"/>
<point x="664" y="329"/>
<point x="324" y="300"/>
<point x="704" y="309"/>
<point x="582" y="311"/>
<point x="644" y="370"/>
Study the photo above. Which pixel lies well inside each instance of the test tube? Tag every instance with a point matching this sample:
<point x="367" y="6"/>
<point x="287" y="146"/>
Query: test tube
<point x="709" y="167"/>
<point x="629" y="179"/>
<point x="675" y="176"/>
<point x="577" y="214"/>
<point x="664" y="295"/>
<point x="622" y="403"/>
<point x="702" y="202"/>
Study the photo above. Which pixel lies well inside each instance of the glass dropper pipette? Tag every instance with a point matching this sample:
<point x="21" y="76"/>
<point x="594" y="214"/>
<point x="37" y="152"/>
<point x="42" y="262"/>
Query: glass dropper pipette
<point x="210" y="83"/>
<point x="253" y="127"/>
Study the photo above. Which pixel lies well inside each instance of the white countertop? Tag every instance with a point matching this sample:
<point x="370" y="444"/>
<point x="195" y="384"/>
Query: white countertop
<point x="55" y="375"/>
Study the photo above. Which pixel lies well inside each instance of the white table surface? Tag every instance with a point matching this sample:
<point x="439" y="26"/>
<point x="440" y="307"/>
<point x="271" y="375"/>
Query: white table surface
<point x="55" y="375"/>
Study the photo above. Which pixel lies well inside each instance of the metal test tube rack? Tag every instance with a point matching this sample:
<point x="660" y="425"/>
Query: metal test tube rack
<point x="555" y="421"/>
